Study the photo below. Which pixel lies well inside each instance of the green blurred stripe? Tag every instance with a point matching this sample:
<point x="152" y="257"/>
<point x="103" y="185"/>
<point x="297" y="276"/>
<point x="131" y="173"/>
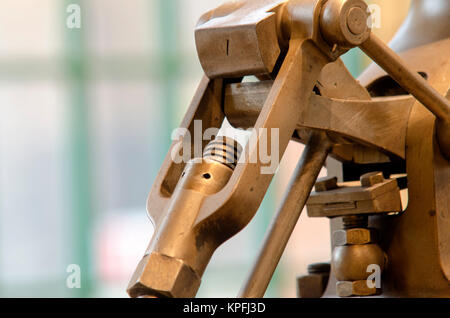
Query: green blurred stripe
<point x="121" y="68"/>
<point x="170" y="59"/>
<point x="79" y="152"/>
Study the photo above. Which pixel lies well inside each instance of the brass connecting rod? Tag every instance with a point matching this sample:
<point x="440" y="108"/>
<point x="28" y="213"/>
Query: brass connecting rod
<point x="283" y="224"/>
<point x="411" y="81"/>
<point x="344" y="23"/>
<point x="415" y="84"/>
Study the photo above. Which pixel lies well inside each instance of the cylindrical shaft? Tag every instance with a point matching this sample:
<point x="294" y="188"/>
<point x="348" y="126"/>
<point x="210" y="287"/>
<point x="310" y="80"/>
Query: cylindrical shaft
<point x="302" y="182"/>
<point x="412" y="82"/>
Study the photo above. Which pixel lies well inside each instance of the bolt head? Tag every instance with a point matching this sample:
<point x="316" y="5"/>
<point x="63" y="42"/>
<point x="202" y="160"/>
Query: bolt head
<point x="312" y="285"/>
<point x="355" y="288"/>
<point x="357" y="20"/>
<point x="345" y="23"/>
<point x="163" y="276"/>
<point x="326" y="184"/>
<point x="372" y="178"/>
<point x="356" y="236"/>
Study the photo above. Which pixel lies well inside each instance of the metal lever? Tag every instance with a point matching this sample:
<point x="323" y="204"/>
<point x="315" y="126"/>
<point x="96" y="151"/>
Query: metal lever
<point x="415" y="84"/>
<point x="344" y="24"/>
<point x="388" y="60"/>
<point x="283" y="225"/>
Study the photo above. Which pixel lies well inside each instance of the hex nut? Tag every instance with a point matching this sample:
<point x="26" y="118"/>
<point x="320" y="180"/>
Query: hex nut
<point x="326" y="184"/>
<point x="163" y="276"/>
<point x="358" y="236"/>
<point x="311" y="285"/>
<point x="372" y="178"/>
<point x="356" y="288"/>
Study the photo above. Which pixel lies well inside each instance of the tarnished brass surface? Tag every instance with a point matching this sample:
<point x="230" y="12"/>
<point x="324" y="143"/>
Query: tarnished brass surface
<point x="383" y="197"/>
<point x="176" y="260"/>
<point x="207" y="220"/>
<point x="253" y="46"/>
<point x="356" y="288"/>
<point x="158" y="275"/>
<point x="390" y="115"/>
<point x="325" y="184"/>
<point x="350" y="262"/>
<point x="314" y="284"/>
<point x="380" y="122"/>
<point x="357" y="236"/>
<point x="311" y="286"/>
<point x="414" y="84"/>
<point x="286" y="218"/>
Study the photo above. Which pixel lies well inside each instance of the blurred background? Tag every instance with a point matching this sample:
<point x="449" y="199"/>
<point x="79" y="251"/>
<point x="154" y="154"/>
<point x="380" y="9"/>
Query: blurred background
<point x="85" y="122"/>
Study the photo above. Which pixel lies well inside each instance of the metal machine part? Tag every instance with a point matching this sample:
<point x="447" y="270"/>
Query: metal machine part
<point x="367" y="197"/>
<point x="314" y="284"/>
<point x="175" y="260"/>
<point x="280" y="230"/>
<point x="306" y="94"/>
<point x="355" y="245"/>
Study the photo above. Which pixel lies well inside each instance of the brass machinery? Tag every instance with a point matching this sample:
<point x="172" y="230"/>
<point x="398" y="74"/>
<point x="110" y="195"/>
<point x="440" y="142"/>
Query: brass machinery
<point x="388" y="132"/>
